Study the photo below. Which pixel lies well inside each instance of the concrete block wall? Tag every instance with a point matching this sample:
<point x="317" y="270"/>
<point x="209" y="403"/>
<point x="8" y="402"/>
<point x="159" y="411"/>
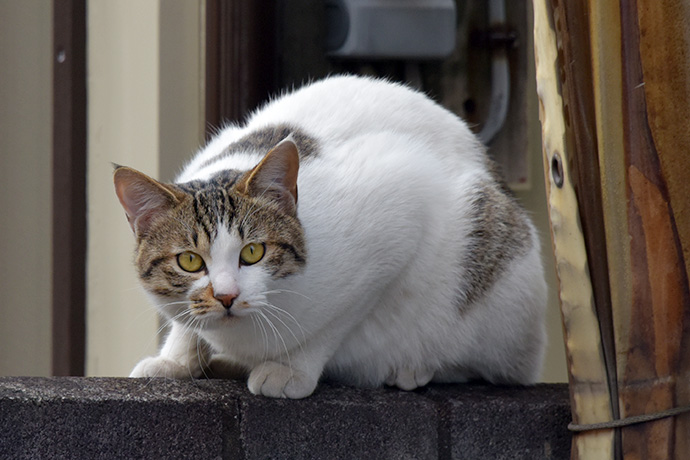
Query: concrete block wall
<point x="94" y="418"/>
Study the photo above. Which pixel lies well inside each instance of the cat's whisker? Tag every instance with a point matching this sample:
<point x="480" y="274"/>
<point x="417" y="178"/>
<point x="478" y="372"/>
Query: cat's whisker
<point x="192" y="327"/>
<point x="156" y="309"/>
<point x="201" y="346"/>
<point x="279" y="336"/>
<point x="286" y="291"/>
<point x="257" y="320"/>
<point x="203" y="363"/>
<point x="253" y="323"/>
<point x="179" y="302"/>
<point x="195" y="324"/>
<point x="145" y="312"/>
<point x="151" y="308"/>
<point x="284" y="312"/>
<point x="189" y="326"/>
<point x="264" y="336"/>
<point x="276" y="334"/>
<point x="178" y="317"/>
<point x="170" y="304"/>
<point x="253" y="211"/>
<point x="165" y="323"/>
<point x="272" y="309"/>
<point x="264" y="301"/>
<point x="299" y="343"/>
<point x="246" y="216"/>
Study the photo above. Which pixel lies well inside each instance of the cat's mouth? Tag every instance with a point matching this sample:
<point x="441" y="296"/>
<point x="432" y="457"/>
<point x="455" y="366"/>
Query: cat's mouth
<point x="216" y="309"/>
<point x="218" y="313"/>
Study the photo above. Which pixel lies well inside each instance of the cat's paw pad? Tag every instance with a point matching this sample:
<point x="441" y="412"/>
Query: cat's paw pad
<point x="157" y="366"/>
<point x="409" y="379"/>
<point x="276" y="380"/>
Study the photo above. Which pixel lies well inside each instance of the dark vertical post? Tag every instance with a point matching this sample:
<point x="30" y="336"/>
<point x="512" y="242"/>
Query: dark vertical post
<point x="241" y="58"/>
<point x="69" y="186"/>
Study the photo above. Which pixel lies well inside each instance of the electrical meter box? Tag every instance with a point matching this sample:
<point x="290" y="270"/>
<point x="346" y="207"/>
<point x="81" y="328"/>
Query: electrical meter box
<point x="390" y="29"/>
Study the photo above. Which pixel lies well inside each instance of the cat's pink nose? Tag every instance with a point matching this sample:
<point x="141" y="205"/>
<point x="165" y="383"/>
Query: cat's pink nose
<point x="226" y="299"/>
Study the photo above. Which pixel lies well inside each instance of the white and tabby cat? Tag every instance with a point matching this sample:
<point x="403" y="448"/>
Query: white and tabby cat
<point x="403" y="258"/>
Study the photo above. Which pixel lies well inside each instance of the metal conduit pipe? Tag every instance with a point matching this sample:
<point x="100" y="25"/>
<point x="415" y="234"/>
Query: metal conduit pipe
<point x="500" y="79"/>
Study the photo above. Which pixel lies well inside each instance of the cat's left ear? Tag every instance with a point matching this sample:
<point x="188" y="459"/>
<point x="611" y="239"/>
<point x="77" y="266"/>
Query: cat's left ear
<point x="275" y="176"/>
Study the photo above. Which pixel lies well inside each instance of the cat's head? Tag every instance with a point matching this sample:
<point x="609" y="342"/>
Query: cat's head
<point x="210" y="249"/>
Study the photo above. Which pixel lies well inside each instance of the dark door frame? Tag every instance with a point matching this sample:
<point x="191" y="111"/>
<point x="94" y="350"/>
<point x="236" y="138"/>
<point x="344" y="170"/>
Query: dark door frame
<point x="241" y="58"/>
<point x="69" y="188"/>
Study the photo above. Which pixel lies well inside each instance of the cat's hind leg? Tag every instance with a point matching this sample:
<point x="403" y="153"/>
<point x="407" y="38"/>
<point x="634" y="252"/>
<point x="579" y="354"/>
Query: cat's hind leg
<point x="408" y="379"/>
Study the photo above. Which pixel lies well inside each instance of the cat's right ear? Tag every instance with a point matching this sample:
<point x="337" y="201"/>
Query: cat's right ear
<point x="142" y="197"/>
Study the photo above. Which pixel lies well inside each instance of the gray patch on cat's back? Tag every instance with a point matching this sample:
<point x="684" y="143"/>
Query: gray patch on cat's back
<point x="263" y="140"/>
<point x="223" y="179"/>
<point x="500" y="233"/>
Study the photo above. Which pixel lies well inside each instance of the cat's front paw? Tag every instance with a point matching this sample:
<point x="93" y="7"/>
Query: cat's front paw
<point x="276" y="380"/>
<point x="158" y="366"/>
<point x="409" y="379"/>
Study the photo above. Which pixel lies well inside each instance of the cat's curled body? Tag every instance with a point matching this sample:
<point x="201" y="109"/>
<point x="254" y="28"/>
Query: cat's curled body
<point x="397" y="257"/>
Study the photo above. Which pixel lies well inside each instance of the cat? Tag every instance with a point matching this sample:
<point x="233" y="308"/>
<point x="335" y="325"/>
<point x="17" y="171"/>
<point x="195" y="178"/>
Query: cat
<point x="353" y="230"/>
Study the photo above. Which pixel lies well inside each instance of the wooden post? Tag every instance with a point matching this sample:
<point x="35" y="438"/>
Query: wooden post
<point x="69" y="187"/>
<point x="614" y="87"/>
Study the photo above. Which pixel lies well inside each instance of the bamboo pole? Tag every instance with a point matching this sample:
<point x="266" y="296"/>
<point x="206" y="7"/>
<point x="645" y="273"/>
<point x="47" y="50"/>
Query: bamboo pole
<point x="624" y="105"/>
<point x="589" y="392"/>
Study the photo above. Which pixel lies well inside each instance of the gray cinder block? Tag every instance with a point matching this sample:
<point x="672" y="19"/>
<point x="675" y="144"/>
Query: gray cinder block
<point x="94" y="418"/>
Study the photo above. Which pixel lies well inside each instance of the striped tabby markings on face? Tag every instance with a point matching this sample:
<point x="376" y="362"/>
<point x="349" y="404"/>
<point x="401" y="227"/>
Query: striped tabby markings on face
<point x="216" y="243"/>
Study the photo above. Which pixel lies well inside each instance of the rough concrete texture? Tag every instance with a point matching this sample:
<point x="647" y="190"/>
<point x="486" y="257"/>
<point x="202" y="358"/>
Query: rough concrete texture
<point x="93" y="418"/>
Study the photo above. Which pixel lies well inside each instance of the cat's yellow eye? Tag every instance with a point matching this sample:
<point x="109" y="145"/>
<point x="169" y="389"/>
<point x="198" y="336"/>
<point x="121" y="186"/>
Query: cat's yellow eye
<point x="252" y="253"/>
<point x="190" y="261"/>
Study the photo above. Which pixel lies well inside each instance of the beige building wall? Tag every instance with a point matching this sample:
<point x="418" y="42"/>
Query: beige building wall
<point x="145" y="111"/>
<point x="25" y="186"/>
